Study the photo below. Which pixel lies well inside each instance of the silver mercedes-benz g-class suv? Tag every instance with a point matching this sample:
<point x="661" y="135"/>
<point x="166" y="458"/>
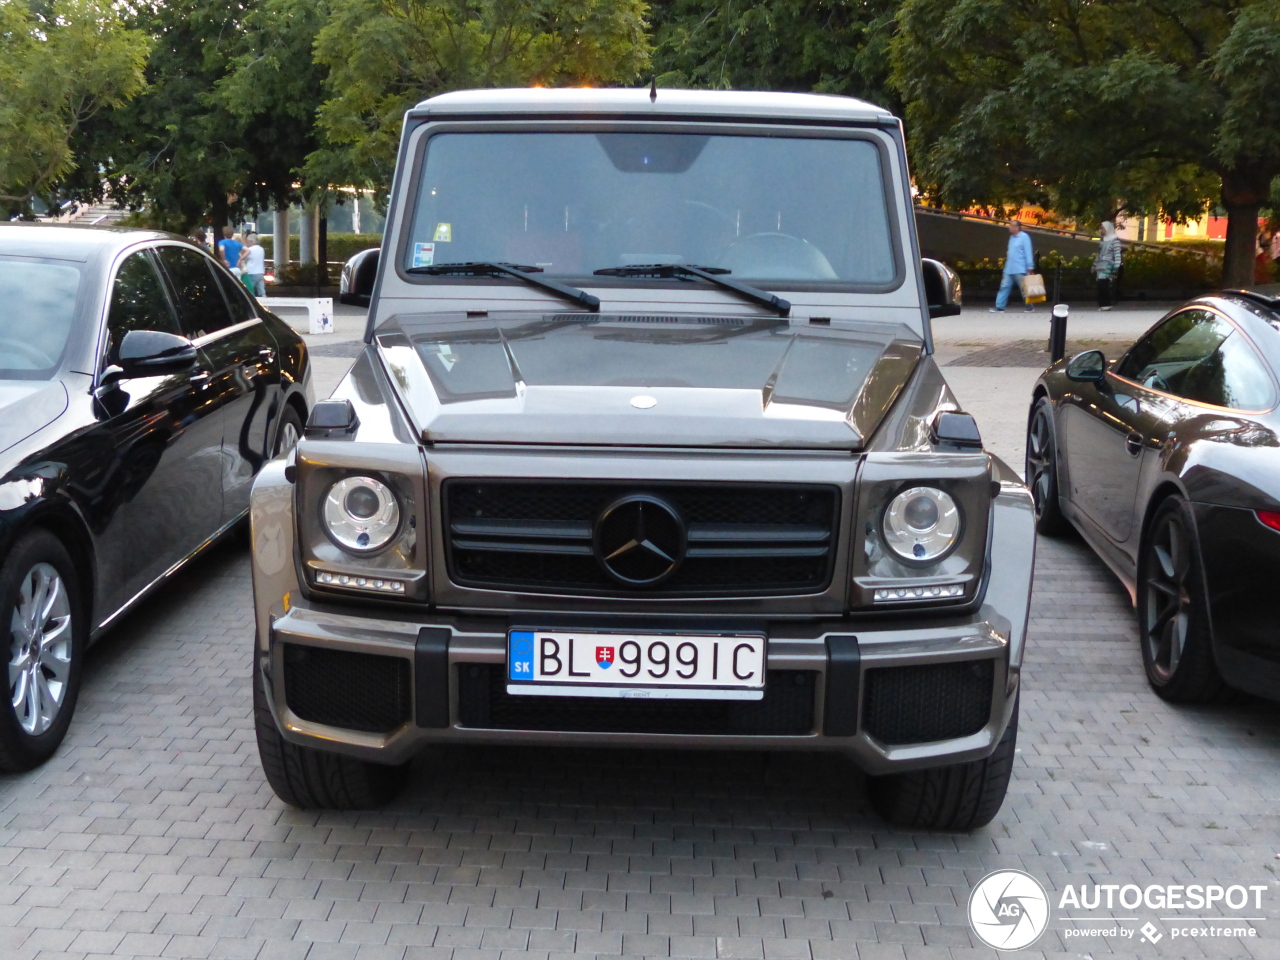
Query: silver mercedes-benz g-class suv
<point x="647" y="446"/>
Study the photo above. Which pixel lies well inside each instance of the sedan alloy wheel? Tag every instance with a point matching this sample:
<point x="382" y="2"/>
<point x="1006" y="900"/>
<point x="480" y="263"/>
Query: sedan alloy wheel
<point x="40" y="650"/>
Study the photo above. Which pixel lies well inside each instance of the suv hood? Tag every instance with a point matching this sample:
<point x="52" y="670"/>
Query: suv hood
<point x="646" y="380"/>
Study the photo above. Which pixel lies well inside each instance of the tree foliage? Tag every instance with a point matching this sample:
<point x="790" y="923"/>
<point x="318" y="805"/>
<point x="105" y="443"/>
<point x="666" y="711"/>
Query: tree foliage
<point x="60" y="65"/>
<point x="824" y="46"/>
<point x="384" y="56"/>
<point x="228" y="115"/>
<point x="1094" y="108"/>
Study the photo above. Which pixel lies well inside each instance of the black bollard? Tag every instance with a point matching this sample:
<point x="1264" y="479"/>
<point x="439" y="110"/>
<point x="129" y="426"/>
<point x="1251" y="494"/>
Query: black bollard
<point x="1058" y="332"/>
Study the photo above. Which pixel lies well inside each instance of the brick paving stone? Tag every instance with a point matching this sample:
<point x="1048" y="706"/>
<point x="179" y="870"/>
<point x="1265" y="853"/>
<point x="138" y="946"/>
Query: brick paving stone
<point x="152" y="832"/>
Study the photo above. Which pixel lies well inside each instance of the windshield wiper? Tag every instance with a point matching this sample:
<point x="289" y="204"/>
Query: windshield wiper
<point x="518" y="270"/>
<point x="714" y="275"/>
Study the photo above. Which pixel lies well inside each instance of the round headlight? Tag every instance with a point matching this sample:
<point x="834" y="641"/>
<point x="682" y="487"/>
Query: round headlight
<point x="921" y="524"/>
<point x="361" y="514"/>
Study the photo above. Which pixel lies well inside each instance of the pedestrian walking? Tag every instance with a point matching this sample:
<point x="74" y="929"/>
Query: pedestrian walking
<point x="200" y="238"/>
<point x="1275" y="249"/>
<point x="229" y="249"/>
<point x="1019" y="260"/>
<point x="253" y="266"/>
<point x="1106" y="265"/>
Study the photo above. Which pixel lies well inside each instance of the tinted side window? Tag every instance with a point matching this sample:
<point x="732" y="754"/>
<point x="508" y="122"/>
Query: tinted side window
<point x="138" y="302"/>
<point x="237" y="299"/>
<point x="1233" y="377"/>
<point x="1163" y="358"/>
<point x="201" y="308"/>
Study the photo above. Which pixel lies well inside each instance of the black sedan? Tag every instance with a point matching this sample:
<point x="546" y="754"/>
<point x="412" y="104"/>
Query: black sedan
<point x="1167" y="460"/>
<point x="141" y="389"/>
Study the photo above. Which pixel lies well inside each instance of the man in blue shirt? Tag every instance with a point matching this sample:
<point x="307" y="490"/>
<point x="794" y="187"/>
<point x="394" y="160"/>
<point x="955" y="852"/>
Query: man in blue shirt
<point x="230" y="249"/>
<point x="1019" y="260"/>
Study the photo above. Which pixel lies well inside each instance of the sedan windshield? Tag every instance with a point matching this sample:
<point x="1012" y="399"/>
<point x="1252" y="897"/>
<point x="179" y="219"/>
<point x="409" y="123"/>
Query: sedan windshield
<point x="39" y="298"/>
<point x="766" y="209"/>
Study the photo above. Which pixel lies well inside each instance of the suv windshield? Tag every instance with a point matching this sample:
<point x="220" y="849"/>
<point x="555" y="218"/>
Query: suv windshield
<point x="39" y="298"/>
<point x="767" y="209"/>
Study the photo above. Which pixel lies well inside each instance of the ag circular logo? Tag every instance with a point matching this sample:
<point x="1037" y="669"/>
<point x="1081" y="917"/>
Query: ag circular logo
<point x="1008" y="910"/>
<point x="640" y="540"/>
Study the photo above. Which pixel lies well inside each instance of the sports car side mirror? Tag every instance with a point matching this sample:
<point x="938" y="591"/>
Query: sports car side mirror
<point x="941" y="288"/>
<point x="1089" y="366"/>
<point x="153" y="353"/>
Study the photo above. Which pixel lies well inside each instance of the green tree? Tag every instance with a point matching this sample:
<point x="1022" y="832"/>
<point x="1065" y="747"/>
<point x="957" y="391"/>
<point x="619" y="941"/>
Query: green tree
<point x="60" y="65"/>
<point x="1096" y="108"/>
<point x="826" y="46"/>
<point x="384" y="56"/>
<point x="227" y="118"/>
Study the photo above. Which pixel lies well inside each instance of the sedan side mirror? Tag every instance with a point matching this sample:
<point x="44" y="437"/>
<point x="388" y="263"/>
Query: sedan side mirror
<point x="358" y="273"/>
<point x="941" y="288"/>
<point x="152" y="353"/>
<point x="1089" y="366"/>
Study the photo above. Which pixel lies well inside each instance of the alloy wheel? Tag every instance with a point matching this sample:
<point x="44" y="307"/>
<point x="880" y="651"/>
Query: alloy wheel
<point x="1168" y="607"/>
<point x="1040" y="460"/>
<point x="289" y="437"/>
<point x="41" y="649"/>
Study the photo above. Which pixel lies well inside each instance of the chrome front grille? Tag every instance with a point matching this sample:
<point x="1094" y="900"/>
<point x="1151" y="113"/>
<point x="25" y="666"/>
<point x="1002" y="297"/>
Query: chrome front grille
<point x="742" y="539"/>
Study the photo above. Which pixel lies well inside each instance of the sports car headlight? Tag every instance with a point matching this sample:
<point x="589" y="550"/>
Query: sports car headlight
<point x="361" y="514"/>
<point x="921" y="524"/>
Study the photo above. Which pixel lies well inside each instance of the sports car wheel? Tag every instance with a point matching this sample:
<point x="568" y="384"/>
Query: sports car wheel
<point x="41" y="618"/>
<point x="1042" y="470"/>
<point x="1173" y="621"/>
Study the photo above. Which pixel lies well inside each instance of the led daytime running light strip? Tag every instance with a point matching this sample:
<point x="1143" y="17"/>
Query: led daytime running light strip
<point x="906" y="594"/>
<point x="379" y="584"/>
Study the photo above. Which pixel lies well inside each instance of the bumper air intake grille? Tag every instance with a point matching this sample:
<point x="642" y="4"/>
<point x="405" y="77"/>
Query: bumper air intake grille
<point x="355" y="691"/>
<point x="786" y="710"/>
<point x="743" y="539"/>
<point x="941" y="701"/>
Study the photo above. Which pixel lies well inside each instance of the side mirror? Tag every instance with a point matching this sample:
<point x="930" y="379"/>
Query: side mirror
<point x="1089" y="367"/>
<point x="151" y="353"/>
<point x="356" y="284"/>
<point x="941" y="288"/>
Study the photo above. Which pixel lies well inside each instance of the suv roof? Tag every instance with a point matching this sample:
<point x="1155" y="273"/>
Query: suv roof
<point x="692" y="103"/>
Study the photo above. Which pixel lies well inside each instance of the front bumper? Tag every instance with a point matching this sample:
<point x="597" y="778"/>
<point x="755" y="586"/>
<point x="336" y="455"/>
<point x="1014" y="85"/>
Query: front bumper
<point x="863" y="687"/>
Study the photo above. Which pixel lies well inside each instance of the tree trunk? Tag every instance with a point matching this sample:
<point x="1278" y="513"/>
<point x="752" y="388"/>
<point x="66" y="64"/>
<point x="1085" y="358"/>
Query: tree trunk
<point x="1243" y="193"/>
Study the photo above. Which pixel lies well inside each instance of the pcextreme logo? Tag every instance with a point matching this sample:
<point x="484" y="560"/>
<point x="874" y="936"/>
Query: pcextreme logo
<point x="1008" y="910"/>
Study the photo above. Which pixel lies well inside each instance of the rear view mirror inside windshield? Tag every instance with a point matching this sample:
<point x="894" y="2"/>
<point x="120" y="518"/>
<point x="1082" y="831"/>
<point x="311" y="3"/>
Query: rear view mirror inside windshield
<point x="652" y="152"/>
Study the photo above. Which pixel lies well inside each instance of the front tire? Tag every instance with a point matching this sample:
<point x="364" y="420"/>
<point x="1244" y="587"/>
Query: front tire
<point x="307" y="778"/>
<point x="42" y="620"/>
<point x="1042" y="470"/>
<point x="1173" y="611"/>
<point x="962" y="796"/>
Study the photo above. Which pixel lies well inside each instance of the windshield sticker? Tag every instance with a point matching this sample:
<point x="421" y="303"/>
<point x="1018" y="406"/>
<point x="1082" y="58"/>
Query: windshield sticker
<point x="444" y="233"/>
<point x="424" y="254"/>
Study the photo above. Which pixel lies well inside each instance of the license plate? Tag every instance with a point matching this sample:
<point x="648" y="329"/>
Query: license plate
<point x="657" y="666"/>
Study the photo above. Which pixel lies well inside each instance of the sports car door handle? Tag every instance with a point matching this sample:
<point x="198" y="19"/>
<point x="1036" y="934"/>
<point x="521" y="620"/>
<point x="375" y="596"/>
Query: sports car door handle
<point x="1133" y="443"/>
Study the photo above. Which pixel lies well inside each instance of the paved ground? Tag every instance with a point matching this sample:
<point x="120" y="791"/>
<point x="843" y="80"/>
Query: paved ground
<point x="152" y="833"/>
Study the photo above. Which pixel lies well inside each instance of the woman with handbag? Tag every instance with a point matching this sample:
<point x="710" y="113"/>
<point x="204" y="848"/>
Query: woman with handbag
<point x="1106" y="265"/>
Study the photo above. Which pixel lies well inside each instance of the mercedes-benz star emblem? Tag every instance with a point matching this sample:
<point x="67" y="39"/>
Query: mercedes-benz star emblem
<point x="639" y="540"/>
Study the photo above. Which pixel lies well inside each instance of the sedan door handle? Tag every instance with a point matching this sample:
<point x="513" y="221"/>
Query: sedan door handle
<point x="1133" y="443"/>
<point x="201" y="377"/>
<point x="266" y="353"/>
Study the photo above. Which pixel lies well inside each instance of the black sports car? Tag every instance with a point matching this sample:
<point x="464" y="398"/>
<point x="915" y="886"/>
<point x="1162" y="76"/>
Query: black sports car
<point x="141" y="389"/>
<point x="1167" y="460"/>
